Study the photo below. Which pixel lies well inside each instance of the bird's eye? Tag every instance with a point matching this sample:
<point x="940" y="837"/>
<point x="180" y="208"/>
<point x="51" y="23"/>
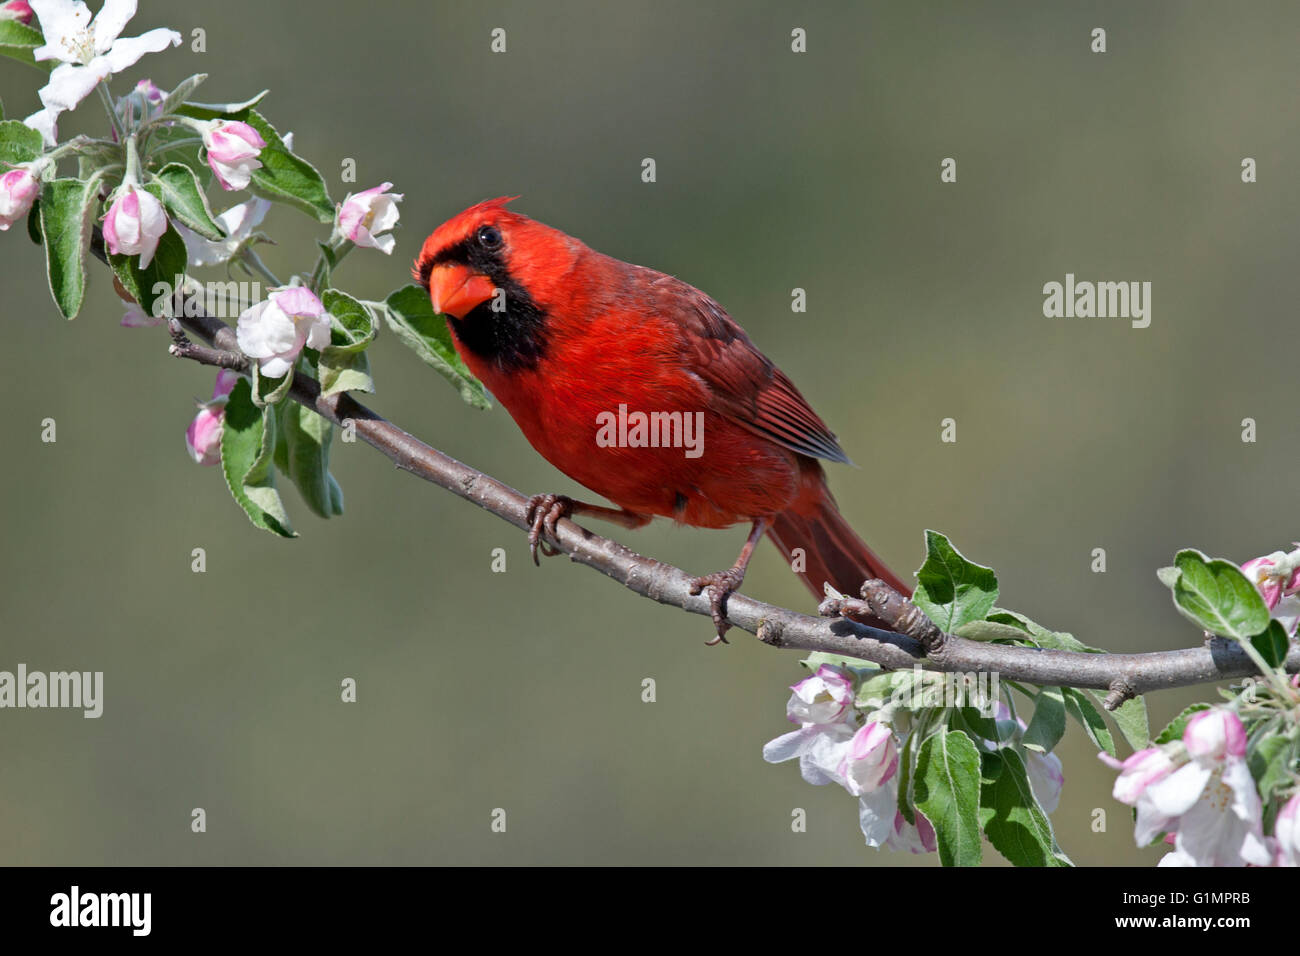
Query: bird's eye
<point x="489" y="237"/>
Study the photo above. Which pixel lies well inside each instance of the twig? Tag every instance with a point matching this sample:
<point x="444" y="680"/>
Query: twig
<point x="920" y="643"/>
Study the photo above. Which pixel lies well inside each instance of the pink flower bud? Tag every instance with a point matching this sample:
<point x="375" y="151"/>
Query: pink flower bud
<point x="19" y="10"/>
<point x="18" y="190"/>
<point x="362" y="217"/>
<point x="225" y="384"/>
<point x="1215" y="734"/>
<point x="871" y="760"/>
<point x="232" y="149"/>
<point x="149" y="93"/>
<point x="134" y="224"/>
<point x="203" y="437"/>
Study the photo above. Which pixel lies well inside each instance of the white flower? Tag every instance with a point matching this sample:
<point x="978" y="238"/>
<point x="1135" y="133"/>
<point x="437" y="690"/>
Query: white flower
<point x="1210" y="803"/>
<point x="819" y="747"/>
<point x="238" y="223"/>
<point x="362" y="217"/>
<point x="275" y="330"/>
<point x="820" y="699"/>
<point x="88" y="50"/>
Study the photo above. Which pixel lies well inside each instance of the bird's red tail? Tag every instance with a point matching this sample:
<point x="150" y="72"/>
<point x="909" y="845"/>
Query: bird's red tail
<point x="831" y="551"/>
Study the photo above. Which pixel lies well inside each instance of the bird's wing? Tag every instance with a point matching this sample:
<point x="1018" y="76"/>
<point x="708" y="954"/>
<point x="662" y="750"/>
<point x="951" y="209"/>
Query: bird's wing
<point x="749" y="389"/>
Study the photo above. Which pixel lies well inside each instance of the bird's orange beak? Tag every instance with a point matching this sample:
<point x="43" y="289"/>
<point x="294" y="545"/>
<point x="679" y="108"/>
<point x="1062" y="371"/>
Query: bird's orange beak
<point x="454" y="289"/>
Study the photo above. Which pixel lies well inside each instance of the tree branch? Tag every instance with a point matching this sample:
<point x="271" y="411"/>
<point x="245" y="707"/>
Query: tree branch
<point x="920" y="643"/>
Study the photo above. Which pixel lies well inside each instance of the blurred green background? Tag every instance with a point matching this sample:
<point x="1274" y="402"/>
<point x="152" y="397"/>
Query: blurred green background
<point x="775" y="170"/>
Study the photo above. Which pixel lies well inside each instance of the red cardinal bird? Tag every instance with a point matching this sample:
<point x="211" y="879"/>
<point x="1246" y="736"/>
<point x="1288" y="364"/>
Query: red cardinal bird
<point x="575" y="343"/>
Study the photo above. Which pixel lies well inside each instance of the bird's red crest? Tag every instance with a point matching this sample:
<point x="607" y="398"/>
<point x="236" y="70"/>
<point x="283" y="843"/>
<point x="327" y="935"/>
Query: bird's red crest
<point x="455" y="230"/>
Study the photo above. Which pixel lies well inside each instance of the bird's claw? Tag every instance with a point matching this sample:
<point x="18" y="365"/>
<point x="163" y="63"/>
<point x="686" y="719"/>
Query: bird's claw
<point x="543" y="511"/>
<point x="721" y="584"/>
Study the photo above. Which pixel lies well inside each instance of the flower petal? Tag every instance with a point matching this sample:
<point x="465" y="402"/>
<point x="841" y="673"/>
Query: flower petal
<point x="111" y="20"/>
<point x="60" y="19"/>
<point x="70" y="84"/>
<point x="128" y="51"/>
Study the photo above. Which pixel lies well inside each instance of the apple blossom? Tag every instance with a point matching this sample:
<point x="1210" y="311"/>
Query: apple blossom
<point x="275" y="330"/>
<point x="363" y="216"/>
<point x="1286" y="831"/>
<point x="1277" y="576"/>
<point x="203" y="437"/>
<point x="819" y="747"/>
<point x="870" y="759"/>
<point x="232" y="149"/>
<point x="1201" y="791"/>
<point x="914" y="839"/>
<point x="19" y="188"/>
<point x="19" y="10"/>
<point x="89" y="51"/>
<point x="237" y="222"/>
<point x="134" y="224"/>
<point x="820" y="699"/>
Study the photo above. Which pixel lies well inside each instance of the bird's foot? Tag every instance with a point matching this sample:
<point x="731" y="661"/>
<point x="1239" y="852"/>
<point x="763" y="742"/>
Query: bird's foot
<point x="720" y="584"/>
<point x="543" y="511"/>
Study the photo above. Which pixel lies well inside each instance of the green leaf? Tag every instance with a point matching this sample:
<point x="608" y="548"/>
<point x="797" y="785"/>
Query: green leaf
<point x="1048" y="724"/>
<point x="990" y="631"/>
<point x="288" y="178"/>
<point x="18" y="143"/>
<point x="343" y="365"/>
<point x="817" y="658"/>
<point x="184" y="89"/>
<point x="906" y="775"/>
<point x="410" y="315"/>
<point x="1174" y="729"/>
<point x="1012" y="818"/>
<point x="354" y="327"/>
<point x="950" y="589"/>
<point x="1041" y="636"/>
<point x="973" y="720"/>
<point x="1273" y="644"/>
<point x="247" y="448"/>
<point x="68" y="208"/>
<point x="1217" y="597"/>
<point x="153" y="286"/>
<point x="947" y="791"/>
<point x="183" y="196"/>
<point x="231" y="111"/>
<point x="1131" y="719"/>
<point x="1272" y="763"/>
<point x="271" y="391"/>
<point x="18" y="41"/>
<point x="34" y="224"/>
<point x="881" y="687"/>
<point x="1169" y="576"/>
<point x="305" y="439"/>
<point x="1078" y="706"/>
